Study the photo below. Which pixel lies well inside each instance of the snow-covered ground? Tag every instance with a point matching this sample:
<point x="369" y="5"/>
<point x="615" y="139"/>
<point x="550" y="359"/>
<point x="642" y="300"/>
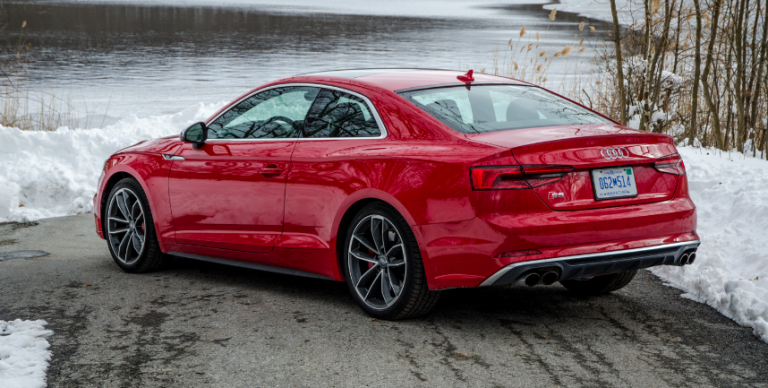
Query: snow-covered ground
<point x="53" y="174"/>
<point x="50" y="174"/>
<point x="24" y="353"/>
<point x="731" y="268"/>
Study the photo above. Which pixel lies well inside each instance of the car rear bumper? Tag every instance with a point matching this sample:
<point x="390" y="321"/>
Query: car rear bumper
<point x="579" y="266"/>
<point x="467" y="253"/>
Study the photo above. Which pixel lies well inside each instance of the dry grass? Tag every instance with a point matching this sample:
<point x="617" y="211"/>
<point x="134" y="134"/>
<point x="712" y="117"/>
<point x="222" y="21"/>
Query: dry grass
<point x="23" y="108"/>
<point x="525" y="58"/>
<point x="26" y="110"/>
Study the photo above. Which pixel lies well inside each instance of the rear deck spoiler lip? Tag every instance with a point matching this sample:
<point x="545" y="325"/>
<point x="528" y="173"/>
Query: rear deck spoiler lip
<point x="631" y="136"/>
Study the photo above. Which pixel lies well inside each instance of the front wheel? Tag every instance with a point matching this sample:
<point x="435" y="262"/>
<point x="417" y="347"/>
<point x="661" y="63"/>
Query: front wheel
<point x="129" y="229"/>
<point x="383" y="267"/>
<point x="599" y="285"/>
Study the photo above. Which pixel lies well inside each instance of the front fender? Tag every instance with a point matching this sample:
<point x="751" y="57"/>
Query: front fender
<point x="151" y="171"/>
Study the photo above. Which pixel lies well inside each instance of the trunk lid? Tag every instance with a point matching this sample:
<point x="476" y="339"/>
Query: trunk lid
<point x="583" y="147"/>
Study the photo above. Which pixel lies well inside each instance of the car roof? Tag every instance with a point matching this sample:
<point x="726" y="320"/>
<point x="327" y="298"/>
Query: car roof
<point x="403" y="79"/>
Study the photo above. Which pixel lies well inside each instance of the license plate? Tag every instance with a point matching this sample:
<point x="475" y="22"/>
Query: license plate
<point x="611" y="183"/>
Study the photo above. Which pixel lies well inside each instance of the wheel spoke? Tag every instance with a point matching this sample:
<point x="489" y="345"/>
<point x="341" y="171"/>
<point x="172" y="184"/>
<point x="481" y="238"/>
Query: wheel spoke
<point x="397" y="263"/>
<point x="373" y="283"/>
<point x="368" y="274"/>
<point x="122" y="249"/>
<point x="136" y="243"/>
<point x="376" y="233"/>
<point x="120" y="220"/>
<point x="133" y="210"/>
<point x="118" y="231"/>
<point x="120" y="199"/>
<point x="393" y="248"/>
<point x="384" y="228"/>
<point x="365" y="243"/>
<point x="386" y="290"/>
<point x="363" y="256"/>
<point x="392" y="280"/>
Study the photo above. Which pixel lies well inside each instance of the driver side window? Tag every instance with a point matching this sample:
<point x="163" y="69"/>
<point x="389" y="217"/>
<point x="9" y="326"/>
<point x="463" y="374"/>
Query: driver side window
<point x="272" y="114"/>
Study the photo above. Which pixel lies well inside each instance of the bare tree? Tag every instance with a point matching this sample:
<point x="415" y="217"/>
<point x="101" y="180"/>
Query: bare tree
<point x="619" y="63"/>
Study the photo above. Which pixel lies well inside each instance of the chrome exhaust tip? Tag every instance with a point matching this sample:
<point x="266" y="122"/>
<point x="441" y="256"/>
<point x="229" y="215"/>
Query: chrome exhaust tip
<point x="691" y="258"/>
<point x="684" y="259"/>
<point x="532" y="279"/>
<point x="549" y="278"/>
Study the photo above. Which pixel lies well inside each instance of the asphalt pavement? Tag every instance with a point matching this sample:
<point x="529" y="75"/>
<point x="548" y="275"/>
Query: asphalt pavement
<point x="198" y="324"/>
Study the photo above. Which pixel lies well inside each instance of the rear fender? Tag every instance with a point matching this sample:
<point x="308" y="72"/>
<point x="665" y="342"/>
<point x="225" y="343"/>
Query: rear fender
<point x="377" y="195"/>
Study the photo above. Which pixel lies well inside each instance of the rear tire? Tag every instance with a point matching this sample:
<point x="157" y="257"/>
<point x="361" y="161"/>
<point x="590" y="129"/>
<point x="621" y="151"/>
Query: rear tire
<point x="599" y="285"/>
<point x="380" y="247"/>
<point x="130" y="229"/>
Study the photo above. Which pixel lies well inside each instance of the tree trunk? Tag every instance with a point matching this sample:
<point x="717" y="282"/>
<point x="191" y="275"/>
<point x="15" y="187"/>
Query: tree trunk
<point x="761" y="64"/>
<point x="619" y="63"/>
<point x="645" y="114"/>
<point x="696" y="70"/>
<point x="718" y="133"/>
<point x="738" y="93"/>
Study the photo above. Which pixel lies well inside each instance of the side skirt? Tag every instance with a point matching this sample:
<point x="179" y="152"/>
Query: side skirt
<point x="249" y="265"/>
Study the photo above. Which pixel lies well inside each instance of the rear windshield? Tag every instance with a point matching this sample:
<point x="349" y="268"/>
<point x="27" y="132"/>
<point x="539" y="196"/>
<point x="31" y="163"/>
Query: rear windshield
<point x="491" y="108"/>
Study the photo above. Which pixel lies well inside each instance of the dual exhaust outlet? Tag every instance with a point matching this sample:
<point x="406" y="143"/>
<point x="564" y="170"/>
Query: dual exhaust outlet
<point x="687" y="258"/>
<point x="550" y="277"/>
<point x="546" y="279"/>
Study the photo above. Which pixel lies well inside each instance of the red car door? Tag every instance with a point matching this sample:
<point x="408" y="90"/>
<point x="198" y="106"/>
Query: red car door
<point x="230" y="193"/>
<point x="326" y="168"/>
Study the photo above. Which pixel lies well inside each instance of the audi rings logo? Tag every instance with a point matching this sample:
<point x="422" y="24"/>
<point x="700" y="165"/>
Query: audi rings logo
<point x="614" y="153"/>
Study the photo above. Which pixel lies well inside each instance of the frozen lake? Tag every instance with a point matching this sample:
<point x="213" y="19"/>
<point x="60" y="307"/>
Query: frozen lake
<point x="159" y="57"/>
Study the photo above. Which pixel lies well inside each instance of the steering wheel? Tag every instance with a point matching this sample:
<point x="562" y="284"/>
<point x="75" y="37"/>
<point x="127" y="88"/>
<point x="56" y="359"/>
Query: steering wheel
<point x="291" y="123"/>
<point x="282" y="121"/>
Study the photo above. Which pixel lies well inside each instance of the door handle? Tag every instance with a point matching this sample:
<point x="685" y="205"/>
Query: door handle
<point x="270" y="169"/>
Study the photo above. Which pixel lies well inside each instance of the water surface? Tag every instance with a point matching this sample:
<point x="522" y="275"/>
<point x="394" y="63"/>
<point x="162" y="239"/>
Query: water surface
<point x="148" y="58"/>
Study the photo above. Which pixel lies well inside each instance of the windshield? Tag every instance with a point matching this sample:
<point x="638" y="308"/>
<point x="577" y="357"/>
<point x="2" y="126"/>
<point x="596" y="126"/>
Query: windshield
<point x="491" y="108"/>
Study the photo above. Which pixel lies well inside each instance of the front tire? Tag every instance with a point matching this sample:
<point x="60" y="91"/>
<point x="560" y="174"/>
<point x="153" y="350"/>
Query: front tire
<point x="383" y="267"/>
<point x="130" y="229"/>
<point x="599" y="285"/>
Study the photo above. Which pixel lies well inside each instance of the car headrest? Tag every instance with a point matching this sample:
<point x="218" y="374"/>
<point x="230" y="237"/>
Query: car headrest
<point x="347" y="111"/>
<point x="448" y="108"/>
<point x="517" y="112"/>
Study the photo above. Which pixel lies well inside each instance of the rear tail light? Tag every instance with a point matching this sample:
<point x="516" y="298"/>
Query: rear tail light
<point x="671" y="164"/>
<point x="516" y="177"/>
<point x="498" y="178"/>
<point x="542" y="175"/>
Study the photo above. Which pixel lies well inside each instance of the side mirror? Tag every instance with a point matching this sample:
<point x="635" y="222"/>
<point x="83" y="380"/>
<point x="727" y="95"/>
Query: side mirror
<point x="196" y="134"/>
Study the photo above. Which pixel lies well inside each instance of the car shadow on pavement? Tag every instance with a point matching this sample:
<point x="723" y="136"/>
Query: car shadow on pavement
<point x="544" y="326"/>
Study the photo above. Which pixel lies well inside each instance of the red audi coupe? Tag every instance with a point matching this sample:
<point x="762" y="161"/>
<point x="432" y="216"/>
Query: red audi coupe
<point x="402" y="183"/>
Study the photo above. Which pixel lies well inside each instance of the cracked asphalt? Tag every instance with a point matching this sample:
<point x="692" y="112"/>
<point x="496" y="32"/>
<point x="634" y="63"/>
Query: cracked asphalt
<point x="201" y="324"/>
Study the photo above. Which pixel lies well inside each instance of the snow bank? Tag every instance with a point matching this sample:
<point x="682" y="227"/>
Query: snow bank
<point x="24" y="353"/>
<point x="731" y="269"/>
<point x="51" y="174"/>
